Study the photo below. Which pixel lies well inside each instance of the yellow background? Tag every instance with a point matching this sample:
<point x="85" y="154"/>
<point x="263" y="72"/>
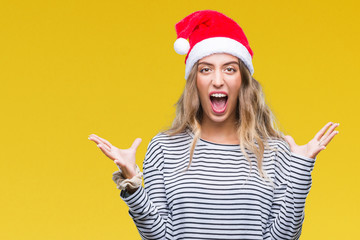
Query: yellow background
<point x="72" y="68"/>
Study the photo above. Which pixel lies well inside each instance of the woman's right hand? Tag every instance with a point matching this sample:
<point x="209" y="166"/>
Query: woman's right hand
<point x="124" y="158"/>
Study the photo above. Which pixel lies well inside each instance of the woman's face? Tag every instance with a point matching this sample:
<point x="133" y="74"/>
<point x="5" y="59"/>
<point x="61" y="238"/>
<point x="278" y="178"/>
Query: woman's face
<point x="218" y="84"/>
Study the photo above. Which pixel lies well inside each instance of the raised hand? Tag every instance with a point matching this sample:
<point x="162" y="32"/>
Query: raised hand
<point x="315" y="145"/>
<point x="124" y="158"/>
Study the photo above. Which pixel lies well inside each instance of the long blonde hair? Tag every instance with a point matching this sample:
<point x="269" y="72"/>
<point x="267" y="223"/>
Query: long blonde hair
<point x="255" y="121"/>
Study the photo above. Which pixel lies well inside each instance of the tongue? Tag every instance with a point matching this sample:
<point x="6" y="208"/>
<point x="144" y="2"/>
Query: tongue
<point x="219" y="103"/>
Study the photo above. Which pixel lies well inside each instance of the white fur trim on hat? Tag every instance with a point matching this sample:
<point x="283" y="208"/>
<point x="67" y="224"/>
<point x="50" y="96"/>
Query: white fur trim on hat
<point x="218" y="45"/>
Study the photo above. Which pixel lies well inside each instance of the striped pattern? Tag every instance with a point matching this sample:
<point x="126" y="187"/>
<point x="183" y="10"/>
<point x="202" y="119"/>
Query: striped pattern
<point x="218" y="197"/>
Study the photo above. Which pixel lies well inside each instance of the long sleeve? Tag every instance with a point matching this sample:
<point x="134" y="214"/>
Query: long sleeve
<point x="292" y="185"/>
<point x="148" y="206"/>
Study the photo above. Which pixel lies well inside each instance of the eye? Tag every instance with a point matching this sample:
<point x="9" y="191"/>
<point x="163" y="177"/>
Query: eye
<point x="205" y="70"/>
<point x="230" y="69"/>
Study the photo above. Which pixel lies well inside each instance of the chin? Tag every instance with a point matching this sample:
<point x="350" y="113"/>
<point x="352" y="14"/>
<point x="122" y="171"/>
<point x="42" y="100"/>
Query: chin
<point x="218" y="118"/>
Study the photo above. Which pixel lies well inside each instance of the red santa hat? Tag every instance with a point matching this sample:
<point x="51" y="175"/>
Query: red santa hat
<point x="211" y="32"/>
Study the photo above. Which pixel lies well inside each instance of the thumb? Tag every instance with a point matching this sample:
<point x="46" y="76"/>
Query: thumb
<point x="136" y="143"/>
<point x="290" y="141"/>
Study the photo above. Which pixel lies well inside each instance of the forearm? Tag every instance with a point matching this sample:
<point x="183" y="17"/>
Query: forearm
<point x="289" y="199"/>
<point x="148" y="206"/>
<point x="149" y="222"/>
<point x="130" y="191"/>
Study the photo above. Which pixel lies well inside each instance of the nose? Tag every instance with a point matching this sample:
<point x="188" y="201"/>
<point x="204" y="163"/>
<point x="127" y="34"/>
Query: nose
<point x="218" y="79"/>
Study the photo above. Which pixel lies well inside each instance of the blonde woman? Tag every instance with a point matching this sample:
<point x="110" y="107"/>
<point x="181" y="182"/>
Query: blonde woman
<point x="222" y="171"/>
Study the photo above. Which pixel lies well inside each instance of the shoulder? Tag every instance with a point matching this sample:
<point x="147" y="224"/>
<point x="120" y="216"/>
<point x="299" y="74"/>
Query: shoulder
<point x="281" y="150"/>
<point x="279" y="145"/>
<point x="163" y="142"/>
<point x="282" y="158"/>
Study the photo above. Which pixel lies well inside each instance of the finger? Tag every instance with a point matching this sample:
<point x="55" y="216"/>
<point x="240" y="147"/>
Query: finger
<point x="330" y="131"/>
<point x="93" y="138"/>
<point x="106" y="151"/>
<point x="327" y="140"/>
<point x="100" y="140"/>
<point x="322" y="131"/>
<point x="105" y="141"/>
<point x="136" y="143"/>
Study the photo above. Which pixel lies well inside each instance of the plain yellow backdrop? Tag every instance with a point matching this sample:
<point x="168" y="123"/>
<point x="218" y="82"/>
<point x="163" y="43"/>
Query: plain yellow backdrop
<point x="72" y="68"/>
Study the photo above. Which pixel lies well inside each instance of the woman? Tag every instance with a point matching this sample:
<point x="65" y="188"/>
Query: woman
<point x="222" y="171"/>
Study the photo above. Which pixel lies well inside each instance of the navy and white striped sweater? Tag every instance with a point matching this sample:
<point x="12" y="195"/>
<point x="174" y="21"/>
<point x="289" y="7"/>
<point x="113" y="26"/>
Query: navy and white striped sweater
<point x="218" y="197"/>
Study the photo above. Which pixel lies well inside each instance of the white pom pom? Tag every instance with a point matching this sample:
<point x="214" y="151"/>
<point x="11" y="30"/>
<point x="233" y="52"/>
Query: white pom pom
<point x="181" y="46"/>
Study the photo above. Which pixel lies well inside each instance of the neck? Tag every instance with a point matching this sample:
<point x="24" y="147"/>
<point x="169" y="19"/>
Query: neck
<point x="223" y="132"/>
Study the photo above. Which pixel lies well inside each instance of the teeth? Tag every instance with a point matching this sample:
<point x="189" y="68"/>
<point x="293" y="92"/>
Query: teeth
<point x="218" y="95"/>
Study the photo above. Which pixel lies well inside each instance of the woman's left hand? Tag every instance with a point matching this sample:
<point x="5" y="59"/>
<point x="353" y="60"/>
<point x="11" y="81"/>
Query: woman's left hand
<point x="315" y="145"/>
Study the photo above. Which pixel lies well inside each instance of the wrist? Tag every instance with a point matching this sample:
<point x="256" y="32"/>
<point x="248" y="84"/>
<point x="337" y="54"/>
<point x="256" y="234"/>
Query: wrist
<point x="130" y="174"/>
<point x="128" y="184"/>
<point x="131" y="190"/>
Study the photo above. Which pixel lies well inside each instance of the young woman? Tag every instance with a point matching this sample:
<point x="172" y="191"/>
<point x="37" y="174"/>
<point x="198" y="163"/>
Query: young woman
<point x="222" y="171"/>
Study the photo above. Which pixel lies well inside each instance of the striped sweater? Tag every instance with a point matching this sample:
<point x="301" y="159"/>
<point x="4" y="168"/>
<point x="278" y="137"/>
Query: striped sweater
<point x="219" y="197"/>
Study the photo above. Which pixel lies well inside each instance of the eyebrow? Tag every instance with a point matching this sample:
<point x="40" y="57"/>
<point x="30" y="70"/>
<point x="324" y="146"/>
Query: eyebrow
<point x="232" y="62"/>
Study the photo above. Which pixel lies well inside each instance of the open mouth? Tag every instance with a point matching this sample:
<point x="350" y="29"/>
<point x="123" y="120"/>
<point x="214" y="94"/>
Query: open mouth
<point x="218" y="101"/>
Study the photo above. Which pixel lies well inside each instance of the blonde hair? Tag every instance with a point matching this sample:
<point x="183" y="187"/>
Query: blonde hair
<point x="255" y="121"/>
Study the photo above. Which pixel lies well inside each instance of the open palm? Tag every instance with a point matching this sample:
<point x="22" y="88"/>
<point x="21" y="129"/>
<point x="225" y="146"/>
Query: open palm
<point x="315" y="145"/>
<point x="124" y="158"/>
